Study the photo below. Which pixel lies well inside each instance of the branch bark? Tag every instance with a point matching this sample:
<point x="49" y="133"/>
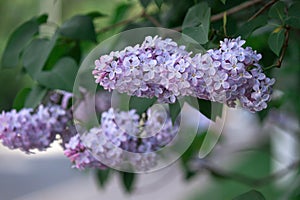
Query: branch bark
<point x="235" y="9"/>
<point x="231" y="11"/>
<point x="253" y="182"/>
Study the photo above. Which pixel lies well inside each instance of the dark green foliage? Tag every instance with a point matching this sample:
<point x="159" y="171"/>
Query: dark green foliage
<point x="19" y="39"/>
<point x="103" y="176"/>
<point x="276" y="40"/>
<point x="159" y="3"/>
<point x="251" y="195"/>
<point x="62" y="75"/>
<point x="145" y="3"/>
<point x="36" y="55"/>
<point x="140" y="104"/>
<point x="293" y="18"/>
<point x="35" y="96"/>
<point x="277" y="11"/>
<point x="20" y="99"/>
<point x="79" y="27"/>
<point x="247" y="28"/>
<point x="196" y="23"/>
<point x="128" y="180"/>
<point x="209" y="109"/>
<point x="175" y="109"/>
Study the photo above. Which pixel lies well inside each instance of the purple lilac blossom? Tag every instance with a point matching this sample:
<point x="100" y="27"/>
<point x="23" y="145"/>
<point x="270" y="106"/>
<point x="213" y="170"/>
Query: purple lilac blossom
<point x="27" y="130"/>
<point x="159" y="67"/>
<point x="238" y="76"/>
<point x="124" y="135"/>
<point x="80" y="156"/>
<point x="138" y="135"/>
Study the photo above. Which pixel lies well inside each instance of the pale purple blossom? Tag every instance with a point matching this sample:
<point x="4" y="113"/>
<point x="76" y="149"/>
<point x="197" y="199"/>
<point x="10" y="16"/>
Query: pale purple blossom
<point x="159" y="67"/>
<point x="80" y="156"/>
<point x="28" y="129"/>
<point x="123" y="135"/>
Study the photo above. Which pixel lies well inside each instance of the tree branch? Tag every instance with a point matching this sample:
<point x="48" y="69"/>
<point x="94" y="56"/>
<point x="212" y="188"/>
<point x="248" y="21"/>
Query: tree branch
<point x="285" y="45"/>
<point x="253" y="182"/>
<point x="235" y="9"/>
<point x="231" y="11"/>
<point x="152" y="19"/>
<point x="263" y="9"/>
<point x="124" y="22"/>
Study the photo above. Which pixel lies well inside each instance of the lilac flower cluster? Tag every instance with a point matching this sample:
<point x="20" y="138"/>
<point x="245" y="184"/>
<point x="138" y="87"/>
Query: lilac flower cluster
<point x="165" y="70"/>
<point x="123" y="136"/>
<point x="232" y="73"/>
<point x="80" y="156"/>
<point x="27" y="130"/>
<point x="127" y="131"/>
<point x="156" y="68"/>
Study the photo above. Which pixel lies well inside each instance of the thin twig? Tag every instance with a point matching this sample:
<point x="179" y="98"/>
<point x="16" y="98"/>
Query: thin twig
<point x="231" y="11"/>
<point x="235" y="9"/>
<point x="284" y="47"/>
<point x="152" y="19"/>
<point x="277" y="175"/>
<point x="124" y="22"/>
<point x="253" y="182"/>
<point x="283" y="51"/>
<point x="263" y="9"/>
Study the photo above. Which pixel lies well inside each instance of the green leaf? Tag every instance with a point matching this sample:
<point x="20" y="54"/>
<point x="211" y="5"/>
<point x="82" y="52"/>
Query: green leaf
<point x="20" y="99"/>
<point x="197" y="33"/>
<point x="190" y="154"/>
<point x="223" y="1"/>
<point x="277" y="11"/>
<point x="36" y="55"/>
<point x="35" y="96"/>
<point x="174" y="110"/>
<point x="19" y="39"/>
<point x="141" y="104"/>
<point x="63" y="49"/>
<point x="128" y="180"/>
<point x="95" y="14"/>
<point x="247" y="28"/>
<point x="293" y="18"/>
<point x="209" y="109"/>
<point x="145" y="3"/>
<point x="251" y="195"/>
<point x="275" y="41"/>
<point x="120" y="12"/>
<point x="205" y="107"/>
<point x="159" y="3"/>
<point x="102" y="176"/>
<point x="79" y="27"/>
<point x="62" y="76"/>
<point x="196" y="22"/>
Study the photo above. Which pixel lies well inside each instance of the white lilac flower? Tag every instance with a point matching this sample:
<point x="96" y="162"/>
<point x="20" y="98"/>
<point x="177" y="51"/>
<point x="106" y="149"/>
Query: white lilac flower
<point x="27" y="130"/>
